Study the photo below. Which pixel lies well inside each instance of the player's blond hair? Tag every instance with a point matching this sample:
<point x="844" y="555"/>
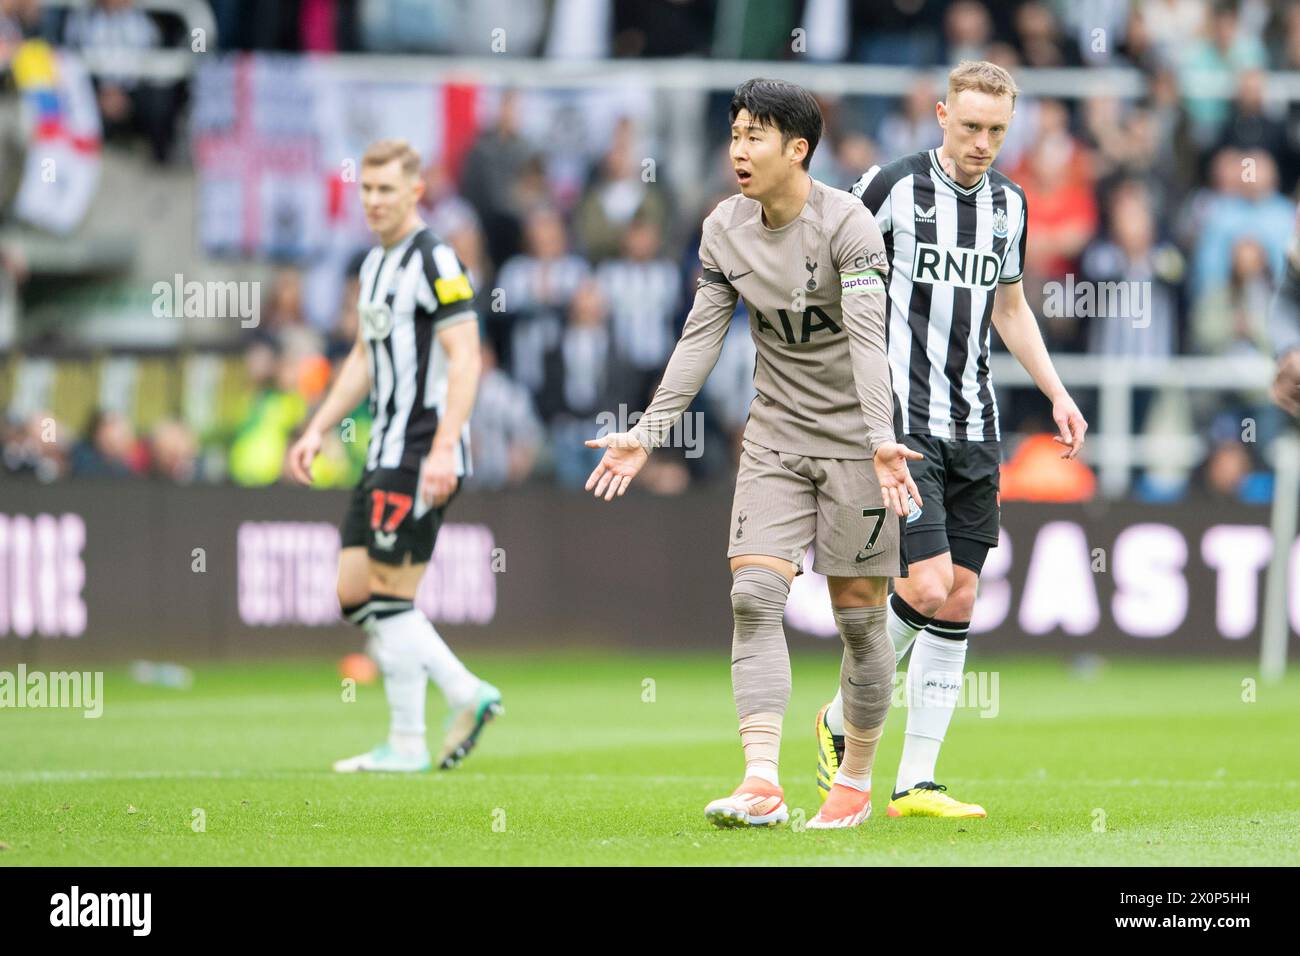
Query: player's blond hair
<point x="983" y="76"/>
<point x="384" y="151"/>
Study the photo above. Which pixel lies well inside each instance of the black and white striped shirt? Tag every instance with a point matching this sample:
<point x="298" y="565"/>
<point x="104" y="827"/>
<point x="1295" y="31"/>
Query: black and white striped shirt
<point x="409" y="294"/>
<point x="643" y="300"/>
<point x="949" y="246"/>
<point x="528" y="283"/>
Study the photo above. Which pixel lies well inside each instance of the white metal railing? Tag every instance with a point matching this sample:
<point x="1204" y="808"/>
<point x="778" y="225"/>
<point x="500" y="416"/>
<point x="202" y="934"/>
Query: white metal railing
<point x="1286" y="497"/>
<point x="1113" y="450"/>
<point x="722" y="75"/>
<point x="1111" y="447"/>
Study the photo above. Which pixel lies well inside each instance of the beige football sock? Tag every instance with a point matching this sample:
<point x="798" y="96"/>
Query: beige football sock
<point x="760" y="735"/>
<point x="760" y="661"/>
<point x="867" y="667"/>
<point x="859" y="752"/>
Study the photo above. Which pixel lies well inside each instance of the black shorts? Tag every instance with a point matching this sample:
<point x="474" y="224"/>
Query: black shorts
<point x="959" y="482"/>
<point x="382" y="518"/>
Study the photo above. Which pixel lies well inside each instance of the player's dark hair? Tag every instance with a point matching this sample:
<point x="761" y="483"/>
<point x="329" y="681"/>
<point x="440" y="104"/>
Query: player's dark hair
<point x="790" y="109"/>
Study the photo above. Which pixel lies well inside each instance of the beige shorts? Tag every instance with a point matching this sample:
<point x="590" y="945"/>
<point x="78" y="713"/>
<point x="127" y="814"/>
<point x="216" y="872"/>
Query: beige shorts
<point x="786" y="502"/>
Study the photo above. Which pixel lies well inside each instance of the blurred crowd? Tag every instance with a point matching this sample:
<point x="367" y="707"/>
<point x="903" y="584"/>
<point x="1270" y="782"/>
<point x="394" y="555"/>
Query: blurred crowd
<point x="121" y="33"/>
<point x="1188" y="34"/>
<point x="582" y="294"/>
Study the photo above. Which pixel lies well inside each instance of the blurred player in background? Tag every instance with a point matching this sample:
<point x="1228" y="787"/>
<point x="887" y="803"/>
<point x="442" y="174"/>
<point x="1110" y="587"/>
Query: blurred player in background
<point x="955" y="231"/>
<point x="417" y="355"/>
<point x="820" y="462"/>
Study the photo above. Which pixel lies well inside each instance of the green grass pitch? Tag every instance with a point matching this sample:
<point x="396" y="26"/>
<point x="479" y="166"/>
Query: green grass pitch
<point x="1135" y="763"/>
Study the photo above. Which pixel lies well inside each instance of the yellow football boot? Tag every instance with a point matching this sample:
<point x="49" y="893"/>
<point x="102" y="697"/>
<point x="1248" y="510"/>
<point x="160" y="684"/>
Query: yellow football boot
<point x="830" y="751"/>
<point x="928" y="799"/>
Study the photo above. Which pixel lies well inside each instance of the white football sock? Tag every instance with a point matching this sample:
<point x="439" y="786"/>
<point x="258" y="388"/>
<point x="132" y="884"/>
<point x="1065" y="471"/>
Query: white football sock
<point x="443" y="667"/>
<point x="934" y="679"/>
<point x="409" y="744"/>
<point x="835" y="715"/>
<point x="901" y="632"/>
<point x="410" y="652"/>
<point x="405" y="682"/>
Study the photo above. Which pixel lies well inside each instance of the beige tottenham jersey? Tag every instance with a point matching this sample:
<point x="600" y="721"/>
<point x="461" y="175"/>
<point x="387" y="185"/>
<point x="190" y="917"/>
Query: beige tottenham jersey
<point x="815" y="291"/>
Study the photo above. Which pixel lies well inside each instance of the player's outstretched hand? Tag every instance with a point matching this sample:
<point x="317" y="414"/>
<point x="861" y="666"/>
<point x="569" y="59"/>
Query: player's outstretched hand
<point x="623" y="458"/>
<point x="895" y="480"/>
<point x="301" y="455"/>
<point x="1073" y="427"/>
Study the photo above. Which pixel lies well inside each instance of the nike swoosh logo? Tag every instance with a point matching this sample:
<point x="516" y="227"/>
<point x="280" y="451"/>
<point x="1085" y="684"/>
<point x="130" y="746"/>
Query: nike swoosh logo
<point x="860" y="557"/>
<point x="731" y="277"/>
<point x="856" y="684"/>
